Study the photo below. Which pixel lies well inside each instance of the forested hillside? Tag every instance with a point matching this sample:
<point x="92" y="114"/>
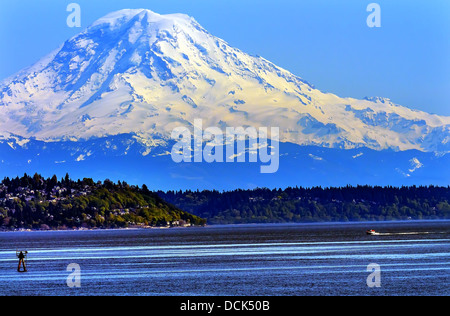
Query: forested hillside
<point x="361" y="203"/>
<point x="39" y="203"/>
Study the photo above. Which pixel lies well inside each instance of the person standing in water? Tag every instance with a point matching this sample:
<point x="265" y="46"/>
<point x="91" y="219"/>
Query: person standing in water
<point x="21" y="257"/>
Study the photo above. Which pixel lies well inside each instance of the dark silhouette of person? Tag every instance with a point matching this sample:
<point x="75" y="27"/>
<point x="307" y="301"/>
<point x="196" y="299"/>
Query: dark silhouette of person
<point x="21" y="256"/>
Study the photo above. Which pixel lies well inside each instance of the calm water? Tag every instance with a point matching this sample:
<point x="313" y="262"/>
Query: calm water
<point x="293" y="260"/>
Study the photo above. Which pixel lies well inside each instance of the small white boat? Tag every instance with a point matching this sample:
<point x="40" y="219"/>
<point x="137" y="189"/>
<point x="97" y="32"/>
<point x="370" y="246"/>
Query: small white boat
<point x="371" y="232"/>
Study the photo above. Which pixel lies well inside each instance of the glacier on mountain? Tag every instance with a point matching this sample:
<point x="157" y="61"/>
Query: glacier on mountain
<point x="138" y="72"/>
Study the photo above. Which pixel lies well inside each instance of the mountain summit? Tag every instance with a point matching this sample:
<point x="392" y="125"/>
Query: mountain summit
<point x="137" y="72"/>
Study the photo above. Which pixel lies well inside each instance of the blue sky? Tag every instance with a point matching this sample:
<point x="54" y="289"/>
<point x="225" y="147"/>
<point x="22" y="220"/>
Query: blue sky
<point x="325" y="42"/>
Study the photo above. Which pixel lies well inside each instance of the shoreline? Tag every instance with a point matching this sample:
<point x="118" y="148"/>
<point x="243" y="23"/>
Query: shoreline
<point x="227" y="225"/>
<point x="90" y="229"/>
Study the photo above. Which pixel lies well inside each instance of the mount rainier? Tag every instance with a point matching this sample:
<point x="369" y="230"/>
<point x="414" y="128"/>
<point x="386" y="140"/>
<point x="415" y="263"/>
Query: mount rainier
<point x="105" y="102"/>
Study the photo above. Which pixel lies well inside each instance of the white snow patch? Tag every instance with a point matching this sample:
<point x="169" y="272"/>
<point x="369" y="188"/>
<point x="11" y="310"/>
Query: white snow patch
<point x="315" y="157"/>
<point x="81" y="157"/>
<point x="415" y="164"/>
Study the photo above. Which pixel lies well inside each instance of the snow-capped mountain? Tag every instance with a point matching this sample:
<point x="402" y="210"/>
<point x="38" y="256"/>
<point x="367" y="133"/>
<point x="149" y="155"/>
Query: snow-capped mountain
<point x="137" y="72"/>
<point x="104" y="104"/>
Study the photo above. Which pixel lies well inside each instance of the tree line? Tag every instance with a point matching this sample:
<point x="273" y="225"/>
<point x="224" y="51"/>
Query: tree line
<point x="35" y="202"/>
<point x="350" y="203"/>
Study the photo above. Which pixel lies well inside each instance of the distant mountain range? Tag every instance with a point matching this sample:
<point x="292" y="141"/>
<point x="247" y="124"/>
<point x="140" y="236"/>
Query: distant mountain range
<point x="106" y="101"/>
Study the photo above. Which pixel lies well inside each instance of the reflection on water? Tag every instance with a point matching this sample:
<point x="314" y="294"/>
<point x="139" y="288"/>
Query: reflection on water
<point x="302" y="259"/>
